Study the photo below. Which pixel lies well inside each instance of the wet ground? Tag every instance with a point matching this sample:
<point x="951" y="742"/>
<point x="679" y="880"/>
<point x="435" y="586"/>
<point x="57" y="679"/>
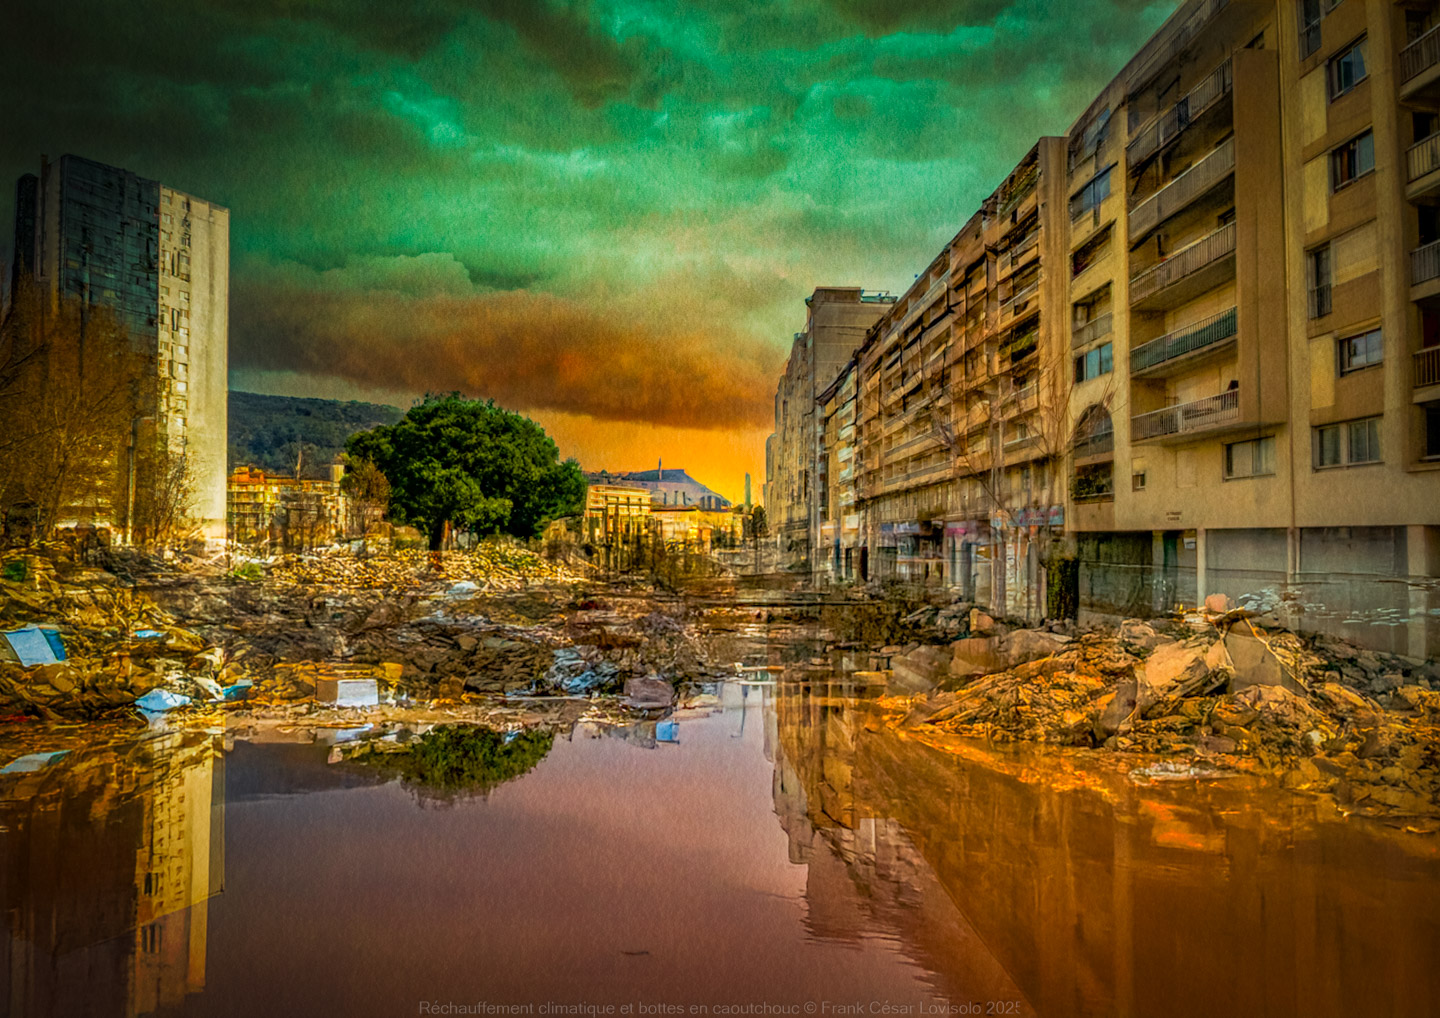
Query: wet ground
<point x="784" y="852"/>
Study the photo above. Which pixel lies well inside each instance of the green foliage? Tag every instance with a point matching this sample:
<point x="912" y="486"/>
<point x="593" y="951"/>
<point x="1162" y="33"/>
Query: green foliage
<point x="457" y="760"/>
<point x="272" y="432"/>
<point x="473" y="464"/>
<point x="250" y="572"/>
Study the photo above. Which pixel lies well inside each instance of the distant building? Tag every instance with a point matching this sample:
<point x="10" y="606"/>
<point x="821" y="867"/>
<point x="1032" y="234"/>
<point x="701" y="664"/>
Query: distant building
<point x="837" y="321"/>
<point x="670" y="485"/>
<point x="616" y="512"/>
<point x="287" y="512"/>
<point x="160" y="259"/>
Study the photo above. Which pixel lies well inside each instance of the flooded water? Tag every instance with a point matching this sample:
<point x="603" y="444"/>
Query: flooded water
<point x="785" y="855"/>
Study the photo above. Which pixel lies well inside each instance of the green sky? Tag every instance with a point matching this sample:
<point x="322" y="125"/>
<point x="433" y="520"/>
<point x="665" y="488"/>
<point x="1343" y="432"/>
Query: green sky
<point x="606" y="212"/>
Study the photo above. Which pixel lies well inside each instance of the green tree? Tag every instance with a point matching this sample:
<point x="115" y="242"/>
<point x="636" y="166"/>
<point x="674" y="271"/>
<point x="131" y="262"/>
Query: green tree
<point x="472" y="464"/>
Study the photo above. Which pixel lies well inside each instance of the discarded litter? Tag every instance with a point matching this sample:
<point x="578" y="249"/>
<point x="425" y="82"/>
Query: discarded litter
<point x="32" y="762"/>
<point x="344" y="692"/>
<point x="33" y="645"/>
<point x="667" y="731"/>
<point x="159" y="700"/>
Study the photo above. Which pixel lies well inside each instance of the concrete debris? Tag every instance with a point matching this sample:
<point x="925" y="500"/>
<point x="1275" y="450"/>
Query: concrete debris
<point x="1216" y="700"/>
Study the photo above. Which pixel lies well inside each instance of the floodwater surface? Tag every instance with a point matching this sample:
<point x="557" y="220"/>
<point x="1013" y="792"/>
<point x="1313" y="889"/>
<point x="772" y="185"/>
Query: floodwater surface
<point x="787" y="854"/>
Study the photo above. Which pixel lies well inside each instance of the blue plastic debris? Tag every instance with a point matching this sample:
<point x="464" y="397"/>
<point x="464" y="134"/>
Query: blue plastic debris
<point x="238" y="690"/>
<point x="148" y="634"/>
<point x="32" y="762"/>
<point x="158" y="700"/>
<point x="667" y="731"/>
<point x="35" y="645"/>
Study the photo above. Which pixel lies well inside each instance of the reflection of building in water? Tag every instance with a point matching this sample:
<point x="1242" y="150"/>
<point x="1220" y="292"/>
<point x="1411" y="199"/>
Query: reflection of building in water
<point x="864" y="875"/>
<point x="1090" y="894"/>
<point x="106" y="861"/>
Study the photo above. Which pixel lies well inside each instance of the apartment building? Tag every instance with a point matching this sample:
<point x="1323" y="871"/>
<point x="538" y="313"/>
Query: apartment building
<point x="1263" y="420"/>
<point x="837" y="318"/>
<point x="940" y="434"/>
<point x="160" y="259"/>
<point x="1200" y="334"/>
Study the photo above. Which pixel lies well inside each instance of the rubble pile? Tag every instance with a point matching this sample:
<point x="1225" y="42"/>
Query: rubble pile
<point x="119" y="646"/>
<point x="1361" y="726"/>
<point x="494" y="565"/>
<point x="493" y="621"/>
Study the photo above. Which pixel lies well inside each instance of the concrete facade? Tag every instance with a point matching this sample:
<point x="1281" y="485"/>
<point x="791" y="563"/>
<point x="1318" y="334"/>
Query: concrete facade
<point x="160" y="259"/>
<point x="1232" y="262"/>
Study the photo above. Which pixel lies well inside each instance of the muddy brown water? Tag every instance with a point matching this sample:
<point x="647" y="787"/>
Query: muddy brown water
<point x="787" y="855"/>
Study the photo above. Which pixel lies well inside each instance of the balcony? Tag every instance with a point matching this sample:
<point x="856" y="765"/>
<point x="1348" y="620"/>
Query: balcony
<point x="1162" y="130"/>
<point x="1198" y="267"/>
<point x="1199" y="179"/>
<point x="1425" y="263"/>
<point x="1422" y="160"/>
<point x="1097" y="328"/>
<point x="1019" y="303"/>
<point x="1014" y="257"/>
<point x="1418" y="63"/>
<point x="1186" y="419"/>
<point x="1427" y="367"/>
<point x="1172" y="346"/>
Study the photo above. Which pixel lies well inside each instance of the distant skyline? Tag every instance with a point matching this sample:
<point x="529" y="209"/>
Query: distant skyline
<point x="602" y="213"/>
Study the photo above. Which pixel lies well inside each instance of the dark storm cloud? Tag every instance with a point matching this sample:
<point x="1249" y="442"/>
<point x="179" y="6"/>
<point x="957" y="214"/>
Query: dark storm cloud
<point x="527" y="196"/>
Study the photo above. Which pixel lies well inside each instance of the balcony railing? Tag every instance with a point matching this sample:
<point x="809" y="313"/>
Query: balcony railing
<point x="1422" y="157"/>
<point x="1187" y="261"/>
<point x="1215" y="329"/>
<point x="1420" y="55"/>
<point x="1180" y="39"/>
<point x="1425" y="263"/>
<point x="1169" y="125"/>
<point x="1197" y="415"/>
<point x="1016" y="304"/>
<point x="1184" y="189"/>
<point x="1427" y="366"/>
<point x="1101" y="325"/>
<point x="1095" y="445"/>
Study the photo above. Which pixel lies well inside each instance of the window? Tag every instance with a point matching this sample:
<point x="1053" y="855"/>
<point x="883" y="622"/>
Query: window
<point x="1254" y="458"/>
<point x="1319" y="268"/>
<point x="1309" y="27"/>
<point x="1095" y="363"/>
<point x="1347" y="444"/>
<point x="1432" y="431"/>
<point x="1089" y="197"/>
<point x="1347" y="69"/>
<point x="1361" y="351"/>
<point x="1352" y="160"/>
<point x="1137" y="481"/>
<point x="1364" y="439"/>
